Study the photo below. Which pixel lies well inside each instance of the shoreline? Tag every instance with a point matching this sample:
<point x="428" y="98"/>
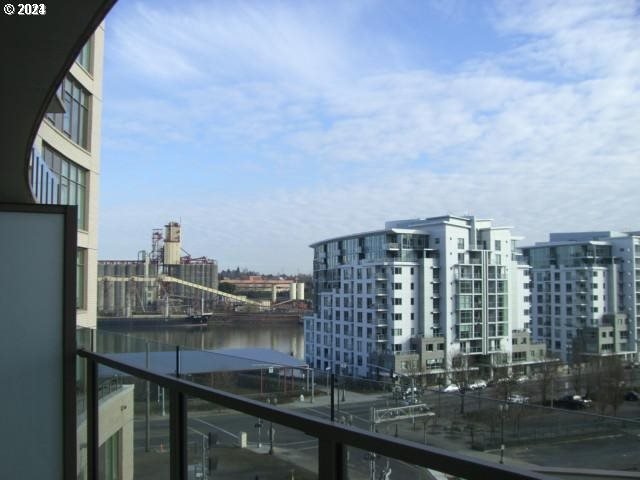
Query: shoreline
<point x="215" y="319"/>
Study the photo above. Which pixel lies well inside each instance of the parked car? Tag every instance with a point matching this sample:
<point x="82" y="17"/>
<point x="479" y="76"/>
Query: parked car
<point x="451" y="388"/>
<point x="516" y="398"/>
<point x="478" y="385"/>
<point x="573" y="402"/>
<point x="522" y="379"/>
<point x="632" y="396"/>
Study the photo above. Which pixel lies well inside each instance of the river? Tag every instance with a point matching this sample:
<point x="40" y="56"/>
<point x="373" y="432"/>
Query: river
<point x="284" y="337"/>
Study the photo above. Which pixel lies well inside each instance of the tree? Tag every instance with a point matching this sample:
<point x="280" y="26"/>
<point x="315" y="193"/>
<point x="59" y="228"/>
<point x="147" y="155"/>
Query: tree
<point x="504" y="388"/>
<point x="548" y="374"/>
<point x="607" y="382"/>
<point x="461" y="374"/>
<point x="227" y="287"/>
<point x="614" y="373"/>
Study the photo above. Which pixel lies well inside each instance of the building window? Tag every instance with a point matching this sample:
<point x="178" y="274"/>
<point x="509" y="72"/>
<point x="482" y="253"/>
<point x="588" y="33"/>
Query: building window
<point x="397" y="332"/>
<point x="397" y="301"/>
<point x="109" y="460"/>
<point x="397" y="270"/>
<point x="397" y="347"/>
<point x="74" y="123"/>
<point x="498" y="245"/>
<point x="85" y="58"/>
<point x="72" y="182"/>
<point x="461" y="243"/>
<point x="397" y="286"/>
<point x="81" y="278"/>
<point x="397" y="316"/>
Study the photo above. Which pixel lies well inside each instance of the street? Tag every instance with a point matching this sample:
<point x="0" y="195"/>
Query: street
<point x="532" y="434"/>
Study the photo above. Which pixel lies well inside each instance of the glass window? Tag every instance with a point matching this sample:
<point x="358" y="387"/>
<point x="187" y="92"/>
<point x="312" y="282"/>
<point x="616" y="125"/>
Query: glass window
<point x="72" y="182"/>
<point x="74" y="122"/>
<point x="81" y="276"/>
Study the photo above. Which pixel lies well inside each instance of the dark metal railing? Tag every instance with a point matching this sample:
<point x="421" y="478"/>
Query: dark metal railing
<point x="333" y="438"/>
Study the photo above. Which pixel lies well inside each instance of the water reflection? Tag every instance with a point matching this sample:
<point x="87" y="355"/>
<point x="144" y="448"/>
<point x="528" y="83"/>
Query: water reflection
<point x="284" y="337"/>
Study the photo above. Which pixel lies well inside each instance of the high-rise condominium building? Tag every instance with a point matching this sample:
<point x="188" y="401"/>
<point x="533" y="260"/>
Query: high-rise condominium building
<point x="65" y="162"/>
<point x="586" y="293"/>
<point x="423" y="290"/>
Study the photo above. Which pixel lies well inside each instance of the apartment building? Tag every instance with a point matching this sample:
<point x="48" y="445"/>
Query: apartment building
<point x="447" y="285"/>
<point x="65" y="162"/>
<point x="586" y="293"/>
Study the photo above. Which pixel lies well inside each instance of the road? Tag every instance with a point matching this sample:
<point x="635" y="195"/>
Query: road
<point x="531" y="434"/>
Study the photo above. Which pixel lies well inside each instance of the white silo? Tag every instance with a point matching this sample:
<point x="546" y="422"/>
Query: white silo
<point x="292" y="291"/>
<point x="172" y="245"/>
<point x="300" y="291"/>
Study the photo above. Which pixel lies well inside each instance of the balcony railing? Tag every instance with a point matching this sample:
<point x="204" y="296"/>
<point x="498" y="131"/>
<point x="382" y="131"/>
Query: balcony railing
<point x="333" y="438"/>
<point x="43" y="181"/>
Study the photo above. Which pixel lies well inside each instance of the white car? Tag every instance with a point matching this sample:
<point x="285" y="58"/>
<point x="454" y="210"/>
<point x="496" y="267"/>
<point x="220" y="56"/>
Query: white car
<point x="515" y="398"/>
<point x="478" y="385"/>
<point x="451" y="388"/>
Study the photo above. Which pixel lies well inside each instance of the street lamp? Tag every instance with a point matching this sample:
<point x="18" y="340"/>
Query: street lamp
<point x="504" y="408"/>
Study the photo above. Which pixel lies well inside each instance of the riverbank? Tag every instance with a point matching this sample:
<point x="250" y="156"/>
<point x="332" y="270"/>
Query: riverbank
<point x="216" y="318"/>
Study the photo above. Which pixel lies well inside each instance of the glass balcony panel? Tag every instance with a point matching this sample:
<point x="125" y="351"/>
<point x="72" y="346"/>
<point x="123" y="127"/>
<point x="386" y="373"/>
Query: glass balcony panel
<point x="224" y="443"/>
<point x="131" y="447"/>
<point x="156" y="356"/>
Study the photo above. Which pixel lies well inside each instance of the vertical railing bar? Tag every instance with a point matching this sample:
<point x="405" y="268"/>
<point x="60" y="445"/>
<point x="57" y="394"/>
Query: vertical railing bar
<point x="331" y="460"/>
<point x="92" y="419"/>
<point x="333" y="386"/>
<point x="178" y="429"/>
<point x="147" y="410"/>
<point x="178" y="435"/>
<point x="178" y="361"/>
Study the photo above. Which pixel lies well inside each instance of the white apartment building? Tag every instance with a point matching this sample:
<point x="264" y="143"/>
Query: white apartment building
<point x="586" y="287"/>
<point x="65" y="163"/>
<point x="448" y="285"/>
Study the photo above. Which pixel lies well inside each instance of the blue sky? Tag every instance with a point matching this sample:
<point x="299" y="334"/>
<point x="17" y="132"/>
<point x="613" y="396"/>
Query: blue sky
<point x="265" y="126"/>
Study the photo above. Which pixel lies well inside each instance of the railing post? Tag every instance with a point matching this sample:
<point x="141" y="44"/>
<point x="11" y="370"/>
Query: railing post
<point x="147" y="410"/>
<point x="92" y="420"/>
<point x="332" y="460"/>
<point x="178" y="435"/>
<point x="333" y="387"/>
<point x="178" y="429"/>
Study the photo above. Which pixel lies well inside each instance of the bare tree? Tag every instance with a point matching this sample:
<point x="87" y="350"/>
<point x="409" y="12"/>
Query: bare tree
<point x="461" y="374"/>
<point x="504" y="388"/>
<point x="612" y="383"/>
<point x="548" y="373"/>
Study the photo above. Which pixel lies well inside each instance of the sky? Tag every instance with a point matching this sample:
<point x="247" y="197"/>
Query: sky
<point x="264" y="126"/>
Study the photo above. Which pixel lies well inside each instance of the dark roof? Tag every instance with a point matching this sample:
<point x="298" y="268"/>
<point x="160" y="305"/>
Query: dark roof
<point x="208" y="361"/>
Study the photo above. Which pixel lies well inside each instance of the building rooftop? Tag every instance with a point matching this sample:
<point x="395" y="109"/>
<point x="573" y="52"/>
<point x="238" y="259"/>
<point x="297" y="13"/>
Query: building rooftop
<point x="208" y="361"/>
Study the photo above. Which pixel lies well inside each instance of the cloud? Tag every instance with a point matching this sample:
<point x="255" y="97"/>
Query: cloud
<point x="305" y="136"/>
